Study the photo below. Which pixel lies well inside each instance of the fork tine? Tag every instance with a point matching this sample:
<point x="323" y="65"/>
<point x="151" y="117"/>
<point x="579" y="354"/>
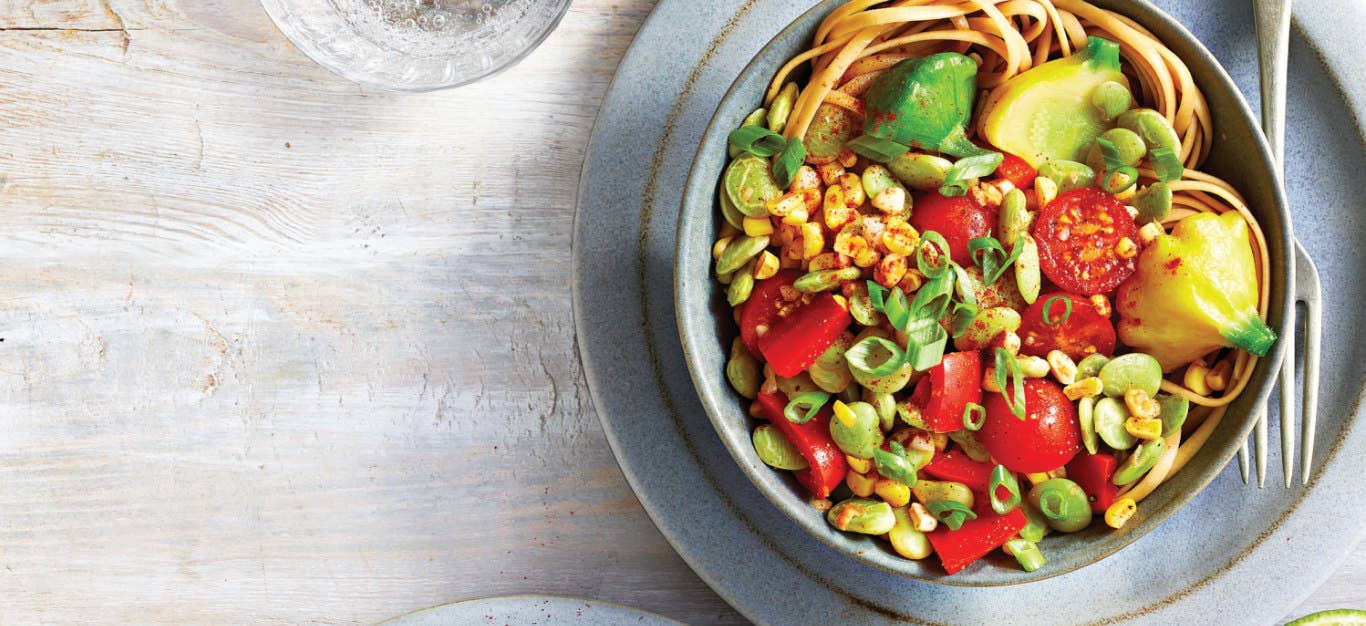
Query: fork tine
<point x="1242" y="461"/>
<point x="1259" y="450"/>
<point x="1310" y="291"/>
<point x="1288" y="407"/>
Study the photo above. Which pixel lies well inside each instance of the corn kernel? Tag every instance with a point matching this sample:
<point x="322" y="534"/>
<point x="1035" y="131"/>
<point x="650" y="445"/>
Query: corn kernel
<point x="921" y="518"/>
<point x="860" y="484"/>
<point x="852" y="186"/>
<point x="812" y="198"/>
<point x="898" y="237"/>
<point x="847" y="158"/>
<point x="890" y="270"/>
<point x="1063" y="367"/>
<point x="757" y="226"/>
<point x="824" y="261"/>
<point x="844" y="414"/>
<point x="850" y="239"/>
<point x="794" y="250"/>
<point x="891" y="200"/>
<point x="1004" y="186"/>
<point x="1044" y="191"/>
<point x="1195" y="379"/>
<point x="1149" y="232"/>
<point x="830" y="173"/>
<point x="1009" y="340"/>
<point x="766" y="266"/>
<point x="785" y="204"/>
<point x="1125" y="248"/>
<point x="821" y="504"/>
<point x="894" y="493"/>
<point x="1085" y="388"/>
<point x="1140" y="404"/>
<point x="859" y="464"/>
<point x="1132" y="211"/>
<point x="1119" y="513"/>
<point x="867" y="257"/>
<point x="1145" y="428"/>
<point x="813" y="240"/>
<point x="842" y="301"/>
<point x="912" y="281"/>
<point x="720" y="246"/>
<point x="1036" y="477"/>
<point x="834" y="210"/>
<point x="989" y="381"/>
<point x="797" y="217"/>
<point x="1217" y="378"/>
<point x="805" y="178"/>
<point x="1102" y="305"/>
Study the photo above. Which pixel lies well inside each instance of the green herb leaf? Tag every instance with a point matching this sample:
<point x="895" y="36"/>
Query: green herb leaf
<point x="788" y="161"/>
<point x="757" y="140"/>
<point x="966" y="170"/>
<point x="876" y="148"/>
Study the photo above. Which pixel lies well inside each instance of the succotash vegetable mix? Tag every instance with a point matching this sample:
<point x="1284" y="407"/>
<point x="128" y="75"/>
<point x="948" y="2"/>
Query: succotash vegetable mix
<point x="983" y="292"/>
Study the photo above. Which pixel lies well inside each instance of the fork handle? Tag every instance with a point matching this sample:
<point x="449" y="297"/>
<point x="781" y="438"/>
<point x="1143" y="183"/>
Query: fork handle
<point x="1273" y="45"/>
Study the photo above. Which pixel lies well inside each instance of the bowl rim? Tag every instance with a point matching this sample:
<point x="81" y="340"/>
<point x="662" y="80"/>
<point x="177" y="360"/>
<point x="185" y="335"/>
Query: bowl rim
<point x="768" y="56"/>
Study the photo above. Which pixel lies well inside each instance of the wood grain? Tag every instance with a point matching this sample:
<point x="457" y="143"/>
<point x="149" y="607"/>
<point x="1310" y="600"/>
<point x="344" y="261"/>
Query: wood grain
<point x="281" y="349"/>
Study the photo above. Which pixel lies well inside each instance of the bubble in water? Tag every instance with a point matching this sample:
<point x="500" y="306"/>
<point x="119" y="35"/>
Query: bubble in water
<point x="438" y="21"/>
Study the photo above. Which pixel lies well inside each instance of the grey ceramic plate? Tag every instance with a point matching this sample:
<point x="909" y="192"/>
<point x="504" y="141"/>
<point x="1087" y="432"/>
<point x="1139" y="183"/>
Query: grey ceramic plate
<point x="528" y="609"/>
<point x="1241" y="157"/>
<point x="1229" y="544"/>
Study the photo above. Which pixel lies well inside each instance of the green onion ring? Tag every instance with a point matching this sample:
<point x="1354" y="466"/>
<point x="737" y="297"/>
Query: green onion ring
<point x="815" y="400"/>
<point x="857" y="356"/>
<point x="1130" y="173"/>
<point x="1002" y="477"/>
<point x="1048" y="306"/>
<point x="930" y="237"/>
<point x="974" y="416"/>
<point x="1053" y="504"/>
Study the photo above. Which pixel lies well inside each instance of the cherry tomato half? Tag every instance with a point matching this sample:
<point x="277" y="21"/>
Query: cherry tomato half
<point x="761" y="309"/>
<point x="1017" y="171"/>
<point x="1084" y="331"/>
<point x="1046" y="439"/>
<point x="958" y="219"/>
<point x="1079" y="233"/>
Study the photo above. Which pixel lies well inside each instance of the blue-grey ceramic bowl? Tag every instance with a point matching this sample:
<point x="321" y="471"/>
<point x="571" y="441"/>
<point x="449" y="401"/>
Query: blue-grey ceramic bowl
<point x="1239" y="155"/>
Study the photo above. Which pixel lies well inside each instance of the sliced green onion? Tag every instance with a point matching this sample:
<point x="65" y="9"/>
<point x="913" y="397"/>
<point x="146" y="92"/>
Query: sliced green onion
<point x="993" y="258"/>
<point x="1027" y="553"/>
<point x="1053" y="504"/>
<point x="757" y="140"/>
<point x="1130" y="174"/>
<point x="876" y="148"/>
<point x="1166" y="164"/>
<point x="1007" y="366"/>
<point x="934" y="297"/>
<point x="1002" y="477"/>
<point x="941" y="264"/>
<point x="877" y="294"/>
<point x="963" y="314"/>
<point x="1048" y="306"/>
<point x="1110" y="153"/>
<point x="897" y="310"/>
<point x="895" y="465"/>
<point x="925" y="343"/>
<point x="951" y="512"/>
<point x="812" y="400"/>
<point x="966" y="170"/>
<point x="974" y="416"/>
<point x="858" y="356"/>
<point x="788" y="162"/>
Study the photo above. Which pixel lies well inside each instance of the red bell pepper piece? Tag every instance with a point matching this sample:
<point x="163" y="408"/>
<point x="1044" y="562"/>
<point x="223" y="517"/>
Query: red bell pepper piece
<point x="761" y="309"/>
<point x="826" y="466"/>
<point x="955" y="466"/>
<point x="955" y="382"/>
<point x="1092" y="472"/>
<point x="958" y="549"/>
<point x="792" y="343"/>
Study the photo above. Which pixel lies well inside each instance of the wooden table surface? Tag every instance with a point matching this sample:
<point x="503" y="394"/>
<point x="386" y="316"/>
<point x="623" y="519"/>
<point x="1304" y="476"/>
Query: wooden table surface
<point x="281" y="349"/>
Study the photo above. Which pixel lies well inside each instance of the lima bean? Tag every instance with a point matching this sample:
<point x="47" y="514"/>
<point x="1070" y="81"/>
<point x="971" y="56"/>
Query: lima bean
<point x="1127" y="142"/>
<point x="876" y="178"/>
<point x="1109" y="415"/>
<point x="890" y="383"/>
<point x="857" y="433"/>
<point x="742" y="370"/>
<point x="985" y="326"/>
<point x="822" y="280"/>
<point x="920" y="171"/>
<point x="739" y="252"/>
<point x="1068" y="509"/>
<point x="885" y="406"/>
<point x="1015" y="218"/>
<point x="1036" y="528"/>
<point x="799" y="384"/>
<point x="831" y="127"/>
<point x="1138" y="463"/>
<point x="861" y="515"/>
<point x="1173" y="410"/>
<point x="1068" y="175"/>
<point x="1090" y="365"/>
<point x="741" y="284"/>
<point x="775" y="450"/>
<point x="1111" y="99"/>
<point x="781" y="107"/>
<point x="927" y="491"/>
<point x="1131" y="371"/>
<point x="1086" y="418"/>
<point x="1028" y="278"/>
<point x="861" y="306"/>
<point x="1153" y="202"/>
<point x="910" y="414"/>
<point x="1152" y="127"/>
<point x="732" y="215"/>
<point x="968" y="442"/>
<point x="906" y="540"/>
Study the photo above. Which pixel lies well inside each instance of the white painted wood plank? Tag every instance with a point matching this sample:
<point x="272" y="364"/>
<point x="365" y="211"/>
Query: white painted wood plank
<point x="281" y="349"/>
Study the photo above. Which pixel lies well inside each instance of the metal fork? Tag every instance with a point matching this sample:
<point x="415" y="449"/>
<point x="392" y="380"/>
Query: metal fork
<point x="1273" y="43"/>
